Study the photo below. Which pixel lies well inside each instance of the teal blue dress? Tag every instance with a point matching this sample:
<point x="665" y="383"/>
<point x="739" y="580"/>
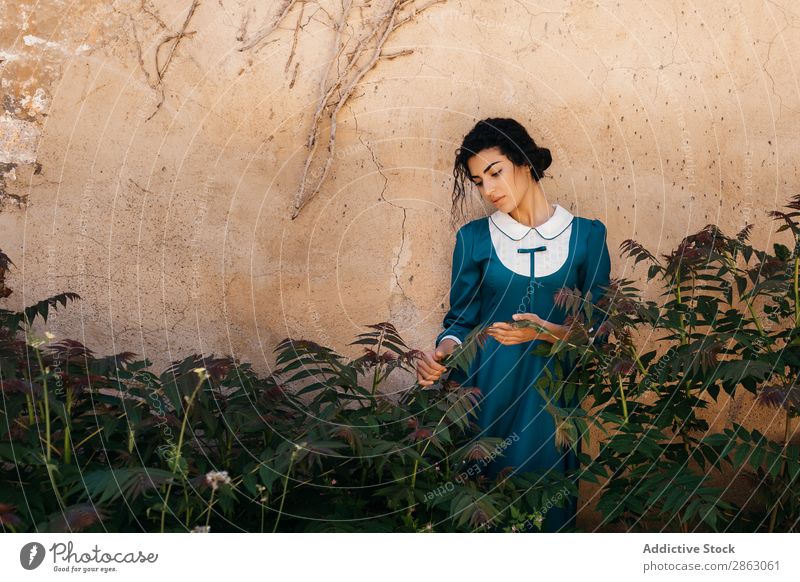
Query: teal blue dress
<point x="484" y="290"/>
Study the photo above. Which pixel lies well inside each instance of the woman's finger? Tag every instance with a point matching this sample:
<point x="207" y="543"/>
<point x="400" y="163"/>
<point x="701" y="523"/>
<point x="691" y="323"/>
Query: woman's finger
<point x="500" y="325"/>
<point x="434" y="365"/>
<point x="526" y="317"/>
<point x="435" y="372"/>
<point x="426" y="359"/>
<point x="500" y="337"/>
<point x="428" y="379"/>
<point x="425" y="381"/>
<point x="508" y="339"/>
<point x="426" y="369"/>
<point x="504" y="334"/>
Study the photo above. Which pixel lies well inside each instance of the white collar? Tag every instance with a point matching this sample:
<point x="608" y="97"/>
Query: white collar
<point x="550" y="228"/>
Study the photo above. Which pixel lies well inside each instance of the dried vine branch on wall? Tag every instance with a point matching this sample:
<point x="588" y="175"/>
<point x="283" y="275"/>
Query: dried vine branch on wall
<point x="175" y="39"/>
<point x="357" y="49"/>
<point x="249" y="41"/>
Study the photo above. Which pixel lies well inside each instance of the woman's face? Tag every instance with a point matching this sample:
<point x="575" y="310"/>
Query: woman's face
<point x="499" y="181"/>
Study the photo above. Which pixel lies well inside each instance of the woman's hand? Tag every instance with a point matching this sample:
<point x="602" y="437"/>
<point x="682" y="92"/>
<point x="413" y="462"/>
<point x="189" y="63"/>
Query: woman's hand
<point x="509" y="335"/>
<point x="429" y="370"/>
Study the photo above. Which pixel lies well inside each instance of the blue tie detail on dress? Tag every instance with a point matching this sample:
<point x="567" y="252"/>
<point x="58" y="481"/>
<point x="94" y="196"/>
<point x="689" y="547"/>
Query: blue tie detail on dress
<point x="533" y="282"/>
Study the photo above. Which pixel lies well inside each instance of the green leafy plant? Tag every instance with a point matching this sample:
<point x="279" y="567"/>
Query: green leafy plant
<point x="92" y="443"/>
<point x="726" y="322"/>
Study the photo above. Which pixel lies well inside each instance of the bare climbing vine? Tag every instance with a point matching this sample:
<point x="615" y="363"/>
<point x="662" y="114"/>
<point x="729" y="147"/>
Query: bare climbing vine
<point x="358" y="45"/>
<point x="361" y="30"/>
<point x="172" y="41"/>
<point x="249" y="41"/>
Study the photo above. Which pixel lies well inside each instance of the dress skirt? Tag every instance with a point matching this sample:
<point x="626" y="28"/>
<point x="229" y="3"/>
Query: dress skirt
<point x="484" y="290"/>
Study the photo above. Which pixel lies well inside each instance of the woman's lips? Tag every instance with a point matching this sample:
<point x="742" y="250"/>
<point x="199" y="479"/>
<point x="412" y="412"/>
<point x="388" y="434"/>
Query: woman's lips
<point x="496" y="201"/>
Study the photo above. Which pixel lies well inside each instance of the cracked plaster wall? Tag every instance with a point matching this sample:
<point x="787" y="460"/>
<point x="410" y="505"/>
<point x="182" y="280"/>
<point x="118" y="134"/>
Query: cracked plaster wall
<point x="173" y="222"/>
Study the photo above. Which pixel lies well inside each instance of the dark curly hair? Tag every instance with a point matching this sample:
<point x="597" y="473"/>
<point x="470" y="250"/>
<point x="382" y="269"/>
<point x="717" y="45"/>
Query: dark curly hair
<point x="513" y="141"/>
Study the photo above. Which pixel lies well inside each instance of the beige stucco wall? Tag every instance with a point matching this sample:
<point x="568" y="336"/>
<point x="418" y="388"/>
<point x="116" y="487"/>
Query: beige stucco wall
<point x="176" y="230"/>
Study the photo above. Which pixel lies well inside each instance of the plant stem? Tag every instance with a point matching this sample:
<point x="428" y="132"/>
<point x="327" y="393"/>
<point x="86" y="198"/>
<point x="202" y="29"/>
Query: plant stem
<point x="164" y="507"/>
<point x="131" y="439"/>
<point x="377" y="363"/>
<point x="261" y="500"/>
<point x="796" y="293"/>
<point x="31" y="414"/>
<point x="46" y="403"/>
<point x="186" y="504"/>
<point x="773" y="518"/>
<point x="49" y="468"/>
<point x="177" y="460"/>
<point x="678" y="299"/>
<point x="210" y="504"/>
<point x="188" y="510"/>
<point x="787" y="429"/>
<point x="787" y="426"/>
<point x="757" y="321"/>
<point x="68" y="428"/>
<point x="88" y="437"/>
<point x="422" y="453"/>
<point x="684" y="339"/>
<point x="694" y="302"/>
<point x="755" y="317"/>
<point x="67" y="431"/>
<point x="747" y="299"/>
<point x="47" y="422"/>
<point x="762" y="333"/>
<point x="639" y="364"/>
<point x="622" y="398"/>
<point x="285" y="486"/>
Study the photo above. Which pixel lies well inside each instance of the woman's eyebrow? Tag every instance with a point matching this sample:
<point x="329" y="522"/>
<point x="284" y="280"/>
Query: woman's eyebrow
<point x="486" y="169"/>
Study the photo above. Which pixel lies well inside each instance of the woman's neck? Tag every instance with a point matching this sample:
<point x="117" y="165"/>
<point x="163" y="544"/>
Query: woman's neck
<point x="533" y="210"/>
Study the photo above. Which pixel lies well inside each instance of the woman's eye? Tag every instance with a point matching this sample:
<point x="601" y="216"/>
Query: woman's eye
<point x="496" y="174"/>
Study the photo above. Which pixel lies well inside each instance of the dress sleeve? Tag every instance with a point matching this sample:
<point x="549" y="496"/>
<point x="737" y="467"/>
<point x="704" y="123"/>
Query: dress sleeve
<point x="596" y="272"/>
<point x="463" y="315"/>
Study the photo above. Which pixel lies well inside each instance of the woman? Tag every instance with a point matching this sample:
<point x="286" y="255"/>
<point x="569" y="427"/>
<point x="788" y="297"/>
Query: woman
<point x="507" y="267"/>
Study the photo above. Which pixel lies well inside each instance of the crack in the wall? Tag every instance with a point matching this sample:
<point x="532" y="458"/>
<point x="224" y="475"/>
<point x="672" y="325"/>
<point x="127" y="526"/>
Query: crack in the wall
<point x="365" y="51"/>
<point x="382" y="196"/>
<point x="766" y="71"/>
